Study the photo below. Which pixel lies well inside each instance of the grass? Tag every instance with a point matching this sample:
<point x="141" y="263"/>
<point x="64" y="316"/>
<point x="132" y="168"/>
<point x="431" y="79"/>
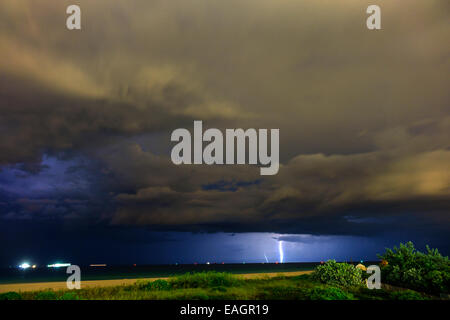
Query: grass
<point x="222" y="286"/>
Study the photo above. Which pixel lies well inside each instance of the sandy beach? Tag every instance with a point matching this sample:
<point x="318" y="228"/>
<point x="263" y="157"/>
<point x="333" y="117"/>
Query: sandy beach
<point x="61" y="285"/>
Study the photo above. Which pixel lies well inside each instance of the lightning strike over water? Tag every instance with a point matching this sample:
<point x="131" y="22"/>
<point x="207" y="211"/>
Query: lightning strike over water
<point x="280" y="249"/>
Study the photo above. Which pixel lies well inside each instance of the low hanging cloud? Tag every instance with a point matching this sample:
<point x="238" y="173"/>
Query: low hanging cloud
<point x="308" y="188"/>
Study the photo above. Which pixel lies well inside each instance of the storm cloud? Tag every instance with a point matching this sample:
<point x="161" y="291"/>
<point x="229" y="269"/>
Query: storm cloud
<point x="364" y="116"/>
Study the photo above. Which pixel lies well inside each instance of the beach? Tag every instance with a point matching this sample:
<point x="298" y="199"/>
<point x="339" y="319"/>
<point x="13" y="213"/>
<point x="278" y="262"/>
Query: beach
<point x="61" y="285"/>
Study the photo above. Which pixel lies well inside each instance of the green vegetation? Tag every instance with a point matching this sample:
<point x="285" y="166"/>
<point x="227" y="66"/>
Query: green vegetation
<point x="68" y="296"/>
<point x="406" y="295"/>
<point x="204" y="280"/>
<point x="215" y="280"/>
<point x="153" y="285"/>
<point x="406" y="267"/>
<point x="46" y="295"/>
<point x="10" y="296"/>
<point x="219" y="286"/>
<point x="338" y="274"/>
<point x="330" y="293"/>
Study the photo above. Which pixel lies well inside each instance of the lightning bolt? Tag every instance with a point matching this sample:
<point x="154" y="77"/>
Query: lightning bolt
<point x="266" y="257"/>
<point x="280" y="249"/>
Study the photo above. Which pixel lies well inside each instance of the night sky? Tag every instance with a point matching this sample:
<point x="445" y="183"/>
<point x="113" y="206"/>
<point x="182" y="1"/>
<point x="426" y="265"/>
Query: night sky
<point x="86" y="118"/>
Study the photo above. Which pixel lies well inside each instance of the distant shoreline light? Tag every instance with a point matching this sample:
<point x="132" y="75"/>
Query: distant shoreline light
<point x="24" y="265"/>
<point x="58" y="265"/>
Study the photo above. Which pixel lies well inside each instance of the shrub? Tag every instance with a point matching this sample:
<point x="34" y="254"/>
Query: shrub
<point x="154" y="285"/>
<point x="10" y="296"/>
<point x="340" y="274"/>
<point x="45" y="295"/>
<point x="330" y="293"/>
<point x="407" y="267"/>
<point x="69" y="296"/>
<point x="204" y="280"/>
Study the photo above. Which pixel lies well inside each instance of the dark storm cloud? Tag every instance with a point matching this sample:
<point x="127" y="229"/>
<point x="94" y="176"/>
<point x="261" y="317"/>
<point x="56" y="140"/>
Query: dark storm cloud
<point x="363" y="116"/>
<point x="310" y="190"/>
